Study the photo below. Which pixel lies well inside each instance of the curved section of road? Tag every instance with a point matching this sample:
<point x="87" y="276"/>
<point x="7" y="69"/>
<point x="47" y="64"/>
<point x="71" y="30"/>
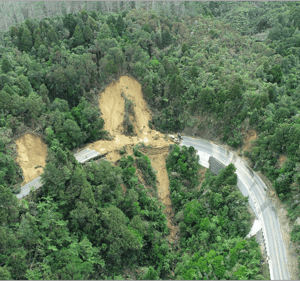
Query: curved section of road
<point x="82" y="157"/>
<point x="250" y="184"/>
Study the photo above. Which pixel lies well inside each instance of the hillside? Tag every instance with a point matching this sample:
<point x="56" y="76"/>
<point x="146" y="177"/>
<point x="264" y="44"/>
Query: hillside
<point x="118" y="78"/>
<point x="121" y="150"/>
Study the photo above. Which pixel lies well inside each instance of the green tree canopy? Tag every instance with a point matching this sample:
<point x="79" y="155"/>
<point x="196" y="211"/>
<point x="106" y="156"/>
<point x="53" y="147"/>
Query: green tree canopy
<point x="26" y="40"/>
<point x="78" y="38"/>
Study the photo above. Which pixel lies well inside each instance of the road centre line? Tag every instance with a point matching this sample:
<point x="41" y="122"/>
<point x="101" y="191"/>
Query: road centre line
<point x="258" y="186"/>
<point x="267" y="214"/>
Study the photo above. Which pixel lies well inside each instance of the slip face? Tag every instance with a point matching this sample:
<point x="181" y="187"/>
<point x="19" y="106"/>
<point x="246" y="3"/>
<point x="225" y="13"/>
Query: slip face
<point x="32" y="152"/>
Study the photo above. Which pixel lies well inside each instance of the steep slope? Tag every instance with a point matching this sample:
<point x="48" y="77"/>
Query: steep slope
<point x="112" y="105"/>
<point x="32" y="152"/>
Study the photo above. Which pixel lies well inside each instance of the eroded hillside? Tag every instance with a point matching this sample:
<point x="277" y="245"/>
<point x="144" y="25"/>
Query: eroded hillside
<point x="32" y="152"/>
<point x="112" y="106"/>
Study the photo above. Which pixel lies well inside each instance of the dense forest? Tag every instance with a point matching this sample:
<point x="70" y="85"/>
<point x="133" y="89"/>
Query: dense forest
<point x="236" y="63"/>
<point x="81" y="225"/>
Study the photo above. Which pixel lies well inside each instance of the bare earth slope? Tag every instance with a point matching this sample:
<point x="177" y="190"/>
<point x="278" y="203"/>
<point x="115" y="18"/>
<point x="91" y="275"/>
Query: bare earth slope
<point x="32" y="152"/>
<point x="111" y="104"/>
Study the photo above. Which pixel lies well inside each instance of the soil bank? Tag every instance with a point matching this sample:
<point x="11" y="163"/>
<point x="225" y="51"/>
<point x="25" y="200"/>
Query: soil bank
<point x="32" y="152"/>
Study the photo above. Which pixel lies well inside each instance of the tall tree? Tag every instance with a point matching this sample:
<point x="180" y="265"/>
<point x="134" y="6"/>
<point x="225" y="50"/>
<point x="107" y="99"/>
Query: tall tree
<point x="26" y="40"/>
<point x="78" y="38"/>
<point x="184" y="48"/>
<point x="87" y="33"/>
<point x="104" y="32"/>
<point x="38" y="41"/>
<point x="120" y="25"/>
<point x="24" y="85"/>
<point x="36" y="32"/>
<point x="52" y="36"/>
<point x="6" y="65"/>
<point x="70" y="23"/>
<point x="84" y="15"/>
<point x="166" y="38"/>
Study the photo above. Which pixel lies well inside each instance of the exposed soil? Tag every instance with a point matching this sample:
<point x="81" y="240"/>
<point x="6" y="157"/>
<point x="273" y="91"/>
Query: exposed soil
<point x="111" y="104"/>
<point x="158" y="161"/>
<point x="281" y="160"/>
<point x="249" y="137"/>
<point x="112" y="108"/>
<point x="201" y="172"/>
<point x="32" y="152"/>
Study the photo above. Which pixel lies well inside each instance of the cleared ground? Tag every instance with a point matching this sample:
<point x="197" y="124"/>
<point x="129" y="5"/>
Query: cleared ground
<point x="111" y="103"/>
<point x="32" y="152"/>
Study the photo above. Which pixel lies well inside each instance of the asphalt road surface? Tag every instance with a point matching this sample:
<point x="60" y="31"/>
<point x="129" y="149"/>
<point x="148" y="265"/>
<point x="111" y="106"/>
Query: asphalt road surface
<point x="82" y="157"/>
<point x="250" y="184"/>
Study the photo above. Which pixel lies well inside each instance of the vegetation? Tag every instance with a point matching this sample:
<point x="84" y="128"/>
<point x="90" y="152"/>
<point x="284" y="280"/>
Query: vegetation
<point x="129" y="115"/>
<point x="193" y="59"/>
<point x="183" y="165"/>
<point x="80" y="225"/>
<point x="213" y="222"/>
<point x="10" y="173"/>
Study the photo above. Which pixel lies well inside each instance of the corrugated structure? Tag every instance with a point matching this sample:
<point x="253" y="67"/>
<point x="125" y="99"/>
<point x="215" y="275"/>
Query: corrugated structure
<point x="82" y="157"/>
<point x="87" y="154"/>
<point x="36" y="183"/>
<point x="215" y="166"/>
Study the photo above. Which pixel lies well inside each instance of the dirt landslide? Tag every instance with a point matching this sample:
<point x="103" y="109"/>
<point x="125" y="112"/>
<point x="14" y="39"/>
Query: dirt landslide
<point x="32" y="152"/>
<point x="112" y="103"/>
<point x="158" y="160"/>
<point x="249" y="137"/>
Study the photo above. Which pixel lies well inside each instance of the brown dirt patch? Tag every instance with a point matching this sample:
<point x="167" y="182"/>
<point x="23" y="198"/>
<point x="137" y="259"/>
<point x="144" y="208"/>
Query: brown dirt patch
<point x="158" y="162"/>
<point x="111" y="105"/>
<point x="249" y="137"/>
<point x="112" y="147"/>
<point x="281" y="160"/>
<point x="124" y="188"/>
<point x="202" y="172"/>
<point x="32" y="152"/>
<point x="113" y="156"/>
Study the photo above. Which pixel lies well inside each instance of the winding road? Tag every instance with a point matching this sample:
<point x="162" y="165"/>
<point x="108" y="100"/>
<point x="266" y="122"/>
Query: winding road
<point x="250" y="184"/>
